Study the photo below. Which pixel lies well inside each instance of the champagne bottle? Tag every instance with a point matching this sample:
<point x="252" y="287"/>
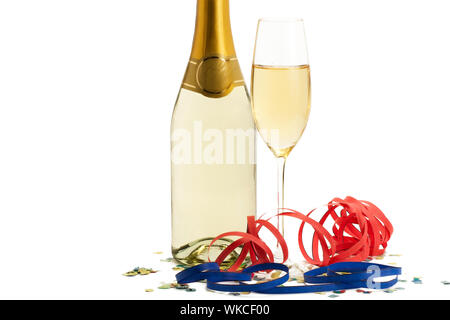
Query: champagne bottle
<point x="212" y="143"/>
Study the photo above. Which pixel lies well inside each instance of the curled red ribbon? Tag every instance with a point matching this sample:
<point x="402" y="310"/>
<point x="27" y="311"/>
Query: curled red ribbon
<point x="360" y="230"/>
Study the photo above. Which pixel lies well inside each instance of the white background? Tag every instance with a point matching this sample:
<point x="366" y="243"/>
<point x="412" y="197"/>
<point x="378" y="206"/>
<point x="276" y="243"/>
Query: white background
<point x="87" y="89"/>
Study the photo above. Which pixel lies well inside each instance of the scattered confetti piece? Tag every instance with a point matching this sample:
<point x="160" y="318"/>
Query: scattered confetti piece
<point x="399" y="288"/>
<point x="149" y="290"/>
<point x="167" y="260"/>
<point x="402" y="280"/>
<point x="245" y="293"/>
<point x="321" y="293"/>
<point x="143" y="271"/>
<point x="234" y="294"/>
<point x="177" y="269"/>
<point x="158" y="252"/>
<point x="182" y="286"/>
<point x="389" y="290"/>
<point x="339" y="291"/>
<point x="379" y="258"/>
<point x="392" y="263"/>
<point x="190" y="290"/>
<point x="417" y="280"/>
<point x="140" y="271"/>
<point x="259" y="278"/>
<point x="275" y="275"/>
<point x="367" y="292"/>
<point x="165" y="286"/>
<point x="333" y="296"/>
<point x="395" y="255"/>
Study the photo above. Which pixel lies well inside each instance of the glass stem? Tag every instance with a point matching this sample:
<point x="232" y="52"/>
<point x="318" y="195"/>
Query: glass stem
<point x="281" y="163"/>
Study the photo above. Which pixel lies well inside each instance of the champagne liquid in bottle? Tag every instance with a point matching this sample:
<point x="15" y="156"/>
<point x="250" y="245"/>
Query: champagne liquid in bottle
<point x="212" y="143"/>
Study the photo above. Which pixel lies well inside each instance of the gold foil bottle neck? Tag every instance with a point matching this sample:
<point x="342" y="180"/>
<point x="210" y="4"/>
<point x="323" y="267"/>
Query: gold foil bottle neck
<point x="213" y="34"/>
<point x="213" y="69"/>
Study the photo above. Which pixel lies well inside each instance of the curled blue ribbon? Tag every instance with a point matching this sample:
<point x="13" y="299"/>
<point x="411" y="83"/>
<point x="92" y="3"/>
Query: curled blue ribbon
<point x="338" y="276"/>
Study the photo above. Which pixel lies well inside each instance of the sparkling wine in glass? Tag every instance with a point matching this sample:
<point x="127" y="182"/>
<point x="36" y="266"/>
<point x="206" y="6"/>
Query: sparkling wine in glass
<point x="281" y="90"/>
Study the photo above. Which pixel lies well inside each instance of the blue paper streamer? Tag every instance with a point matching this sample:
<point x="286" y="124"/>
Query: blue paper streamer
<point x="357" y="275"/>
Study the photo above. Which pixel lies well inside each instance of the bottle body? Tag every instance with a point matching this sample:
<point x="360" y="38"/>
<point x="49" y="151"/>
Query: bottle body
<point x="212" y="191"/>
<point x="212" y="143"/>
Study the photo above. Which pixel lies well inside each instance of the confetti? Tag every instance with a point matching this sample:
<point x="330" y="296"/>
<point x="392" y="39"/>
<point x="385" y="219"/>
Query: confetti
<point x="392" y="263"/>
<point x="417" y="280"/>
<point x="149" y="290"/>
<point x="321" y="293"/>
<point x="333" y="296"/>
<point x="182" y="286"/>
<point x="446" y="283"/>
<point x="167" y="260"/>
<point x="245" y="293"/>
<point x="165" y="286"/>
<point x="402" y="280"/>
<point x="158" y="252"/>
<point x="259" y="278"/>
<point x="389" y="290"/>
<point x="395" y="255"/>
<point x="399" y="288"/>
<point x="339" y="291"/>
<point x="140" y="271"/>
<point x="234" y="294"/>
<point x="379" y="258"/>
<point x="190" y="290"/>
<point x="177" y="269"/>
<point x="144" y="271"/>
<point x="275" y="275"/>
<point x="360" y="291"/>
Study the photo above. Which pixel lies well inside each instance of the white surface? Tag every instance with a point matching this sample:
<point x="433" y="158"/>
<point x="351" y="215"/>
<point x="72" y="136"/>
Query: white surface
<point x="86" y="94"/>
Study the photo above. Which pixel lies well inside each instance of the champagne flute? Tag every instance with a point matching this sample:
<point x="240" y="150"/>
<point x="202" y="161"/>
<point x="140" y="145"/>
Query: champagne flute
<point x="281" y="94"/>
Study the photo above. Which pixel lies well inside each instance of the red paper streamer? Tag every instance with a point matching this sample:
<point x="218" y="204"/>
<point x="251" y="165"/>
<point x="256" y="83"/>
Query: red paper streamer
<point x="360" y="230"/>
